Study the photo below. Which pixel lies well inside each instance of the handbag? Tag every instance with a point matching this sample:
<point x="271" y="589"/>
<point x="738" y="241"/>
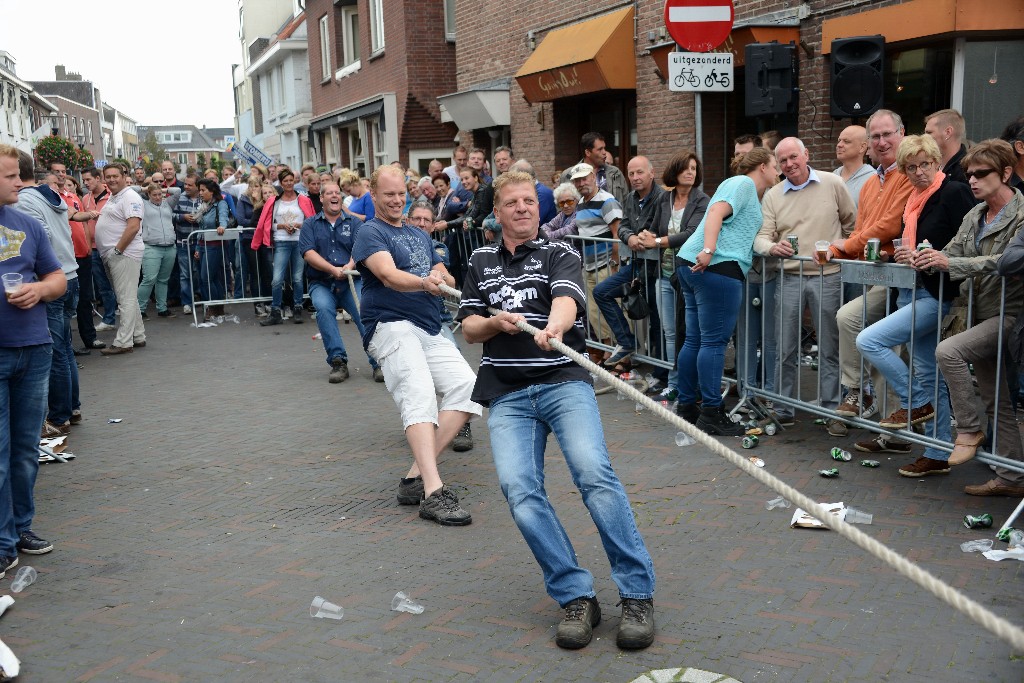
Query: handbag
<point x="634" y="303"/>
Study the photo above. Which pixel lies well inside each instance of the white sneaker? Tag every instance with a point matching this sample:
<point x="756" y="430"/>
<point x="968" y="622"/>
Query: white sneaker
<point x="103" y="327"/>
<point x="186" y="309"/>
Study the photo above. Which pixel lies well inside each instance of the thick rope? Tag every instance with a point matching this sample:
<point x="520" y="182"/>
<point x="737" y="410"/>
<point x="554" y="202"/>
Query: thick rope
<point x="1002" y="628"/>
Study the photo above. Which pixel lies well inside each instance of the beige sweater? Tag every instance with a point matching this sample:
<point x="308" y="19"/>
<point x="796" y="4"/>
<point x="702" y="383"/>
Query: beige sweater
<point x="823" y="210"/>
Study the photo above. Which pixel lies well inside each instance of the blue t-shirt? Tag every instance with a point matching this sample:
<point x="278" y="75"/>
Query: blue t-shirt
<point x="24" y="249"/>
<point x="413" y="252"/>
<point x="332" y="242"/>
<point x="736" y="238"/>
<point x="364" y="206"/>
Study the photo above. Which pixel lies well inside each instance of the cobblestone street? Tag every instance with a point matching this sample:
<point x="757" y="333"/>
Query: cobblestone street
<point x="192" y="537"/>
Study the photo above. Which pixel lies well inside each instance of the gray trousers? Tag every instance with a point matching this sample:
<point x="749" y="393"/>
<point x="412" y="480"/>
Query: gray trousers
<point x="978" y="346"/>
<point x="822" y="295"/>
<point x="851" y="319"/>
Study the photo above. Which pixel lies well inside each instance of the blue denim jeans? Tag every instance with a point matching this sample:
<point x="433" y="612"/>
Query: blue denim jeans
<point x="63" y="389"/>
<point x="750" y="332"/>
<point x="914" y="390"/>
<point x="520" y="423"/>
<point x="24" y="381"/>
<point x="286" y="254"/>
<point x="326" y="298"/>
<point x="105" y="289"/>
<point x="712" y="306"/>
<point x="666" y="300"/>
<point x="186" y="274"/>
<point x="608" y="292"/>
<point x="212" y="272"/>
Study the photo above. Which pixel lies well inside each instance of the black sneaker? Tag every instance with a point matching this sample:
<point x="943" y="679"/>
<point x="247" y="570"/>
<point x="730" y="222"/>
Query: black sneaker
<point x="30" y="544"/>
<point x="274" y="319"/>
<point x="339" y="371"/>
<point x="463" y="441"/>
<point x="577" y="626"/>
<point x="410" y="491"/>
<point x="297" y="315"/>
<point x="7" y="563"/>
<point x="442" y="506"/>
<point x="636" y="628"/>
<point x="714" y="421"/>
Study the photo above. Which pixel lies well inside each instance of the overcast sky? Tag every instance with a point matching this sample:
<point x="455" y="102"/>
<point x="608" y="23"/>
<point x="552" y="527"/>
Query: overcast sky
<point x="174" y="68"/>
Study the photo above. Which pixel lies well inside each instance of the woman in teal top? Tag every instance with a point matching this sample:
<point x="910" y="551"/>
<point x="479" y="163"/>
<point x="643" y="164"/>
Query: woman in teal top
<point x="711" y="267"/>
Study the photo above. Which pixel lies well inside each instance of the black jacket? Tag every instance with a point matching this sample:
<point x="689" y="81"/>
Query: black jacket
<point x="635" y="220"/>
<point x="940" y="219"/>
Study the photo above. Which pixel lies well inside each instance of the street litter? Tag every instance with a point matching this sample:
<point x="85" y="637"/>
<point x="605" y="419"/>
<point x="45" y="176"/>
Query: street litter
<point x="115" y="420"/>
<point x="403" y="603"/>
<point x="981" y="545"/>
<point x="779" y="502"/>
<point x="322" y="609"/>
<point x="803" y="520"/>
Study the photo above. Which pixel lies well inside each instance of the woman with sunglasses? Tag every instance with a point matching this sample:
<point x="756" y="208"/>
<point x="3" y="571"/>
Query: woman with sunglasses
<point x="933" y="215"/>
<point x="564" y="223"/>
<point x="973" y="255"/>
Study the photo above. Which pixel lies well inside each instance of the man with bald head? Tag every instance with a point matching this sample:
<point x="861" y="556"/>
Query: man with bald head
<point x="642" y="261"/>
<point x="814" y="207"/>
<point x="850" y="150"/>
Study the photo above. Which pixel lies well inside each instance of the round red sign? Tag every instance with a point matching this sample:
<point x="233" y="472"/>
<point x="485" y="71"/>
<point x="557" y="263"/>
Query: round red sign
<point x="699" y="25"/>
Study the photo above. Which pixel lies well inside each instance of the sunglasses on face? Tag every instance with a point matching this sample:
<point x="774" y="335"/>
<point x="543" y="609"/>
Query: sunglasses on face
<point x="567" y="202"/>
<point x="980" y="173"/>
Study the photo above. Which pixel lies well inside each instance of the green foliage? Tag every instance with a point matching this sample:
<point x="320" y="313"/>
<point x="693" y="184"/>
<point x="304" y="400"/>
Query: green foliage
<point x="124" y="162"/>
<point x="153" y="152"/>
<point x="54" y="148"/>
<point x="83" y="159"/>
<point x="201" y="161"/>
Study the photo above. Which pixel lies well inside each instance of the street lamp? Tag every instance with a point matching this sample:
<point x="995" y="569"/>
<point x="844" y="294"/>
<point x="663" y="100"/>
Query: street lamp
<point x="55" y="124"/>
<point x="80" y="139"/>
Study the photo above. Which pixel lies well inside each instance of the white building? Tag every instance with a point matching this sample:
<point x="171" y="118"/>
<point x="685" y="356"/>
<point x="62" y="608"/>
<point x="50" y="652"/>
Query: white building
<point x="25" y="115"/>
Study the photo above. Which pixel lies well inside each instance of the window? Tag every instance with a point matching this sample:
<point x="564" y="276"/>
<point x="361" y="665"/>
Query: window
<point x="325" y="48"/>
<point x="917" y="82"/>
<point x="449" y="20"/>
<point x="376" y="26"/>
<point x="350" y="35"/>
<point x="993" y="83"/>
<point x="182" y="157"/>
<point x="65" y="125"/>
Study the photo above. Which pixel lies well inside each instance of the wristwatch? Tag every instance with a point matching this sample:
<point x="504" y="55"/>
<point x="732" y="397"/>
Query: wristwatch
<point x="707" y="251"/>
<point x="118" y="251"/>
<point x="657" y="241"/>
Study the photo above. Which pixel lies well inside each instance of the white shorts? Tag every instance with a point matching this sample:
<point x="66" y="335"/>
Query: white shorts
<point x="417" y="367"/>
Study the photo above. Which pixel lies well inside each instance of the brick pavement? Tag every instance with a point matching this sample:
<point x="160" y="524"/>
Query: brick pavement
<point x="192" y="537"/>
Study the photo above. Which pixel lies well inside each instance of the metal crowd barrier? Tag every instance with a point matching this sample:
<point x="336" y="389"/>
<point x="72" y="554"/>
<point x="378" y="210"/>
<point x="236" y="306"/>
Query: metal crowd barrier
<point x="231" y="268"/>
<point x="864" y="275"/>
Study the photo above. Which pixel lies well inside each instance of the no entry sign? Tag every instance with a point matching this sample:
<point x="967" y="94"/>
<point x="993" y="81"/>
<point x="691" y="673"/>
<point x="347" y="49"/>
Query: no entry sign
<point x="699" y="25"/>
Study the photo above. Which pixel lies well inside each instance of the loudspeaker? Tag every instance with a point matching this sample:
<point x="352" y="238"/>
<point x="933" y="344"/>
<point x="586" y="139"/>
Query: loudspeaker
<point x="856" y="76"/>
<point x="770" y="77"/>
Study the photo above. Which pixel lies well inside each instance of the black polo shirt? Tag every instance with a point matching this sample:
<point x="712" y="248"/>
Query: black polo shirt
<point x="524" y="283"/>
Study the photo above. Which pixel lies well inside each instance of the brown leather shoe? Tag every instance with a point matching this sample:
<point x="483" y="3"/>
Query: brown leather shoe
<point x="922" y="467"/>
<point x="995" y="487"/>
<point x="965" y="447"/>
<point x="898" y="420"/>
<point x="140" y="345"/>
<point x="115" y="350"/>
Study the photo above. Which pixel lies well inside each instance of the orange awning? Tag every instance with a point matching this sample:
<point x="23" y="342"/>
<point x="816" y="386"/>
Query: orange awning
<point x="735" y="43"/>
<point x="590" y="56"/>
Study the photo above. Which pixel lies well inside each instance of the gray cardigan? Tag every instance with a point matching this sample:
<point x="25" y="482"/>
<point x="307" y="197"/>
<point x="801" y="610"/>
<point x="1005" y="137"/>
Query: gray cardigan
<point x="158" y="221"/>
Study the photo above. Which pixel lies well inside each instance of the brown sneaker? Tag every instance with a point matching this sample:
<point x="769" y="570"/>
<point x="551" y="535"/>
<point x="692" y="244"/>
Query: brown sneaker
<point x="883" y="444"/>
<point x="51" y="430"/>
<point x="851" y="405"/>
<point x="115" y="350"/>
<point x="922" y="467"/>
<point x="995" y="487"/>
<point x="898" y="420"/>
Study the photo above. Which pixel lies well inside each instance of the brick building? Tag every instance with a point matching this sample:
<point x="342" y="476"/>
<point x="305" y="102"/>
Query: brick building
<point x="80" y="108"/>
<point x="376" y="69"/>
<point x="571" y="67"/>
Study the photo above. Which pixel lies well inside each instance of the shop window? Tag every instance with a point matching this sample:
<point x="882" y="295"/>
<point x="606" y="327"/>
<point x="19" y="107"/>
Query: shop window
<point x="917" y="83"/>
<point x="993" y="83"/>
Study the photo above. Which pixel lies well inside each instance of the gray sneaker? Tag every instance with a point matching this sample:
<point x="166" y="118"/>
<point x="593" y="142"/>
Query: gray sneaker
<point x="442" y="506"/>
<point x="636" y="628"/>
<point x="577" y="626"/>
<point x="339" y="371"/>
<point x="410" y="491"/>
<point x="463" y="441"/>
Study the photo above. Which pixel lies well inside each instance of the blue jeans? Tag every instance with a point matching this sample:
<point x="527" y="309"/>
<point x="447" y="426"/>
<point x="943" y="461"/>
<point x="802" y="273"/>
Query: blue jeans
<point x="63" y="389"/>
<point x="287" y="254"/>
<point x="106" y="290"/>
<point x="750" y="332"/>
<point x="666" y="299"/>
<point x="212" y="272"/>
<point x="326" y="298"/>
<point x="918" y="389"/>
<point x="609" y="291"/>
<point x="185" y="272"/>
<point x="712" y="306"/>
<point x="520" y="423"/>
<point x="24" y="381"/>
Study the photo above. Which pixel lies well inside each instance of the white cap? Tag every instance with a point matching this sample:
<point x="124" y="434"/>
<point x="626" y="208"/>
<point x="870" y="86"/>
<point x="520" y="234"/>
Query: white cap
<point x="580" y="171"/>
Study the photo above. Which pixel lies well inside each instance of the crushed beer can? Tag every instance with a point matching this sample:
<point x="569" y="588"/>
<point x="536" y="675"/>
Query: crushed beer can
<point x="750" y="441"/>
<point x="1004" y="534"/>
<point x="770" y="429"/>
<point x="978" y="521"/>
<point x="829" y="474"/>
<point x="756" y="460"/>
<point x="838" y="453"/>
<point x="870" y="463"/>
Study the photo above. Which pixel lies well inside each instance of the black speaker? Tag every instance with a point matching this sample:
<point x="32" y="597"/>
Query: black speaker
<point x="770" y="77"/>
<point x="856" y="76"/>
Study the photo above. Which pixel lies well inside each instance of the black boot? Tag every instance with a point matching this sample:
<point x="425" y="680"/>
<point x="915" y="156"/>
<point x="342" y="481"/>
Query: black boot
<point x="713" y="420"/>
<point x="688" y="411"/>
<point x="274" y="319"/>
<point x="297" y="315"/>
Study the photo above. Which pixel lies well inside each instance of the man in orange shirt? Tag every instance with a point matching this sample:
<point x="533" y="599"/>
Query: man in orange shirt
<point x="879" y="215"/>
<point x="83" y="255"/>
<point x="94" y="200"/>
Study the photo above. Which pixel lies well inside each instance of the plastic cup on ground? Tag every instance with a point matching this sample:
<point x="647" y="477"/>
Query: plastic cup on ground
<point x="402" y="603"/>
<point x="12" y="282"/>
<point x="683" y="439"/>
<point x="979" y="546"/>
<point x="858" y="517"/>
<point x="779" y="502"/>
<point x="25" y="577"/>
<point x="322" y="609"/>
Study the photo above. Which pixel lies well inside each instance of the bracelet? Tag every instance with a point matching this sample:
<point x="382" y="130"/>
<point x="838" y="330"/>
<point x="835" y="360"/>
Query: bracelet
<point x="423" y="283"/>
